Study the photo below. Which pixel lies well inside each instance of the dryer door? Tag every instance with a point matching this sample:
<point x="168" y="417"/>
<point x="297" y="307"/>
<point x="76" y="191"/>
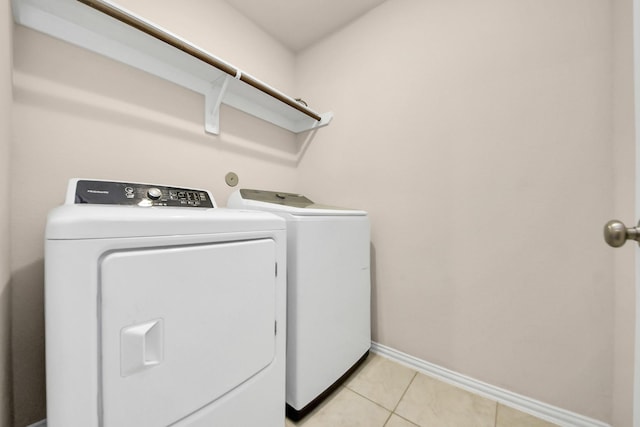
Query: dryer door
<point x="182" y="326"/>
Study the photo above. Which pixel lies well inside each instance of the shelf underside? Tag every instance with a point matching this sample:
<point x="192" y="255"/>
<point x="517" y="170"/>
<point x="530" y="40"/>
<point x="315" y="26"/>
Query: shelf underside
<point x="84" y="26"/>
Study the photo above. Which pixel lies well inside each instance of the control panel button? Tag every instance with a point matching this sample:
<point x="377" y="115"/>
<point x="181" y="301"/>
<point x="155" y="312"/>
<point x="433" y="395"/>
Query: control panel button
<point x="154" y="193"/>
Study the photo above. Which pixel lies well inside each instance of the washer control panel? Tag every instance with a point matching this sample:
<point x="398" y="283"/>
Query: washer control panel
<point x="128" y="193"/>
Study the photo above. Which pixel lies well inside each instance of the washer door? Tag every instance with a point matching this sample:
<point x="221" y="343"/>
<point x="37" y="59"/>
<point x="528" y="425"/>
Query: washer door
<point x="182" y="326"/>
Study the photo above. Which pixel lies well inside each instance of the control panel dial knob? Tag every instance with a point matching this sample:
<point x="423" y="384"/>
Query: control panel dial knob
<point x="154" y="193"/>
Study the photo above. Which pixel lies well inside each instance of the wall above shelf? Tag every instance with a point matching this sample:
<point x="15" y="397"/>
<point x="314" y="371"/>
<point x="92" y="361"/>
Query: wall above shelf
<point x="105" y="28"/>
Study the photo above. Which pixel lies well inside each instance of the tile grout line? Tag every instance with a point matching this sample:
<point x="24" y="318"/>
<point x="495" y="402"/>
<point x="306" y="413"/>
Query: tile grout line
<point x="374" y="402"/>
<point x="409" y="421"/>
<point x="365" y="397"/>
<point x="415" y="374"/>
<point x="391" y="411"/>
<point x="387" y="420"/>
<point x="405" y="391"/>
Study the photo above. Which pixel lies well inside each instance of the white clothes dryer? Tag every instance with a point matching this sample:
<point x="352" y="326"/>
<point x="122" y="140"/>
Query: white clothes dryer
<point x="161" y="309"/>
<point x="328" y="292"/>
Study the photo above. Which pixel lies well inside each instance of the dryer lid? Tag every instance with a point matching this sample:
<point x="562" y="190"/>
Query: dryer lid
<point x="85" y="221"/>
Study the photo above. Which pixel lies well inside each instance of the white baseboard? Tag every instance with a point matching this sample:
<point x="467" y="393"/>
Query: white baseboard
<point x="533" y="407"/>
<point x="525" y="404"/>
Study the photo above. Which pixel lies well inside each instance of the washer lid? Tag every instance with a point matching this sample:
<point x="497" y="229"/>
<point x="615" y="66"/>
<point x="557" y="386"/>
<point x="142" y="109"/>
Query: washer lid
<point x="295" y="204"/>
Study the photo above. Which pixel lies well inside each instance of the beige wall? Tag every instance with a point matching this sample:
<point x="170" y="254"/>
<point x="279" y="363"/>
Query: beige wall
<point x="80" y="115"/>
<point x="6" y="29"/>
<point x="478" y="136"/>
<point x="623" y="209"/>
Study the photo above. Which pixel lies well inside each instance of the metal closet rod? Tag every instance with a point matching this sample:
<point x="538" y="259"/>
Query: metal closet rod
<point x="116" y="13"/>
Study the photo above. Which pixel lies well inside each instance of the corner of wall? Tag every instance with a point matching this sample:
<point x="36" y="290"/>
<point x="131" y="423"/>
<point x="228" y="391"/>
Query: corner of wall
<point x="6" y="100"/>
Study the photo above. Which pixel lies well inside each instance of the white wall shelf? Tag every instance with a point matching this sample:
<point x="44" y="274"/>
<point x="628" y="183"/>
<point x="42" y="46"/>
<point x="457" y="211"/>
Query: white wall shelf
<point x="105" y="28"/>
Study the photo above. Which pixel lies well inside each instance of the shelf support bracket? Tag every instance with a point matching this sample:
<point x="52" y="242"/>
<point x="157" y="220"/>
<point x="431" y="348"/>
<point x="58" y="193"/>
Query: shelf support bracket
<point x="212" y="99"/>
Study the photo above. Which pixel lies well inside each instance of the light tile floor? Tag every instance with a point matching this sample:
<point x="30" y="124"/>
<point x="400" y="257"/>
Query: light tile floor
<point x="382" y="393"/>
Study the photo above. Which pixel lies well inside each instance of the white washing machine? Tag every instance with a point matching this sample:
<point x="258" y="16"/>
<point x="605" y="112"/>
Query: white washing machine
<point x="328" y="292"/>
<point x="162" y="309"/>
